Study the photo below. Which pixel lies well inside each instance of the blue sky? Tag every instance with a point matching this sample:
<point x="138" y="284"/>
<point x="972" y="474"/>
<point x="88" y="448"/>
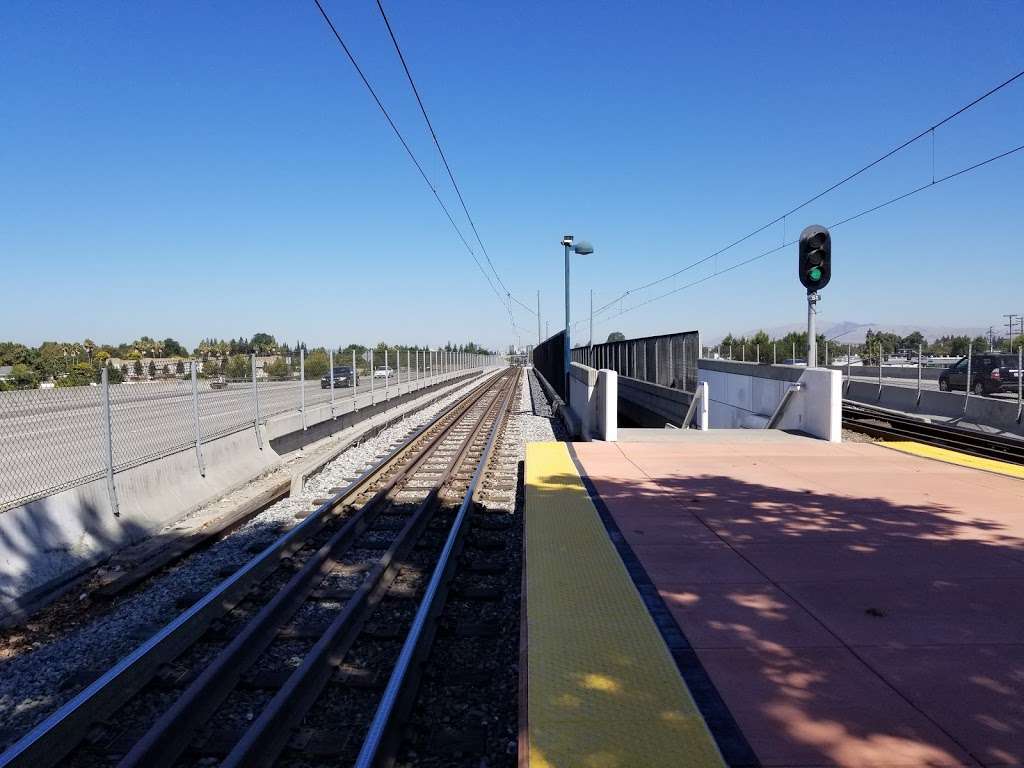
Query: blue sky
<point x="187" y="169"/>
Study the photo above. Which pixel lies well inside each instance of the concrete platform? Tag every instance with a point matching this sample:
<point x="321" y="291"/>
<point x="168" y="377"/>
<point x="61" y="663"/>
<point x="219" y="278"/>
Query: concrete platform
<point x="848" y="604"/>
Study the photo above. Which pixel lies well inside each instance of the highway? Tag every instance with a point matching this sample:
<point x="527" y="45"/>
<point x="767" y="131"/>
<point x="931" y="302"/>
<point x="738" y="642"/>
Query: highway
<point x="51" y="439"/>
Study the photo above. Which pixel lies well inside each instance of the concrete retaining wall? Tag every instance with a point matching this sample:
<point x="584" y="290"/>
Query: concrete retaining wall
<point x="745" y="395"/>
<point x="50" y="541"/>
<point x="652" y="405"/>
<point x="984" y="413"/>
<point x="890" y="372"/>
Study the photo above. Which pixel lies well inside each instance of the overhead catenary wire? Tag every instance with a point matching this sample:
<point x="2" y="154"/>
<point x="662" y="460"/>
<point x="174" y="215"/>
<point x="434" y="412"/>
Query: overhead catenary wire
<point x="408" y="150"/>
<point x="930" y="130"/>
<point x="834" y="225"/>
<point x="444" y="158"/>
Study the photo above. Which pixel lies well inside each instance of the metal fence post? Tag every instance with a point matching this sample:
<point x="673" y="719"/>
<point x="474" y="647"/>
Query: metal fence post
<point x="195" y="421"/>
<point x="371" y="377"/>
<point x="849" y="363"/>
<point x="256" y="402"/>
<point x="387" y="377"/>
<point x="330" y="375"/>
<point x="1020" y="378"/>
<point x="355" y="382"/>
<point x="918" y="401"/>
<point x="108" y="440"/>
<point x="774" y="358"/>
<point x="879" y="371"/>
<point x="794" y="353"/>
<point x="967" y="384"/>
<point x="302" y="386"/>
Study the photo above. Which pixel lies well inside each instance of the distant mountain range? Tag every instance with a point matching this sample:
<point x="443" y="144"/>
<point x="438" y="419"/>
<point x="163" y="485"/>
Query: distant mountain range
<point x="853" y="332"/>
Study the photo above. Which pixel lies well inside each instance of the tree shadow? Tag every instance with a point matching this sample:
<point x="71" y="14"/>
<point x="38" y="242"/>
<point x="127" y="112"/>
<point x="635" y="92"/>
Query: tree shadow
<point x="837" y="629"/>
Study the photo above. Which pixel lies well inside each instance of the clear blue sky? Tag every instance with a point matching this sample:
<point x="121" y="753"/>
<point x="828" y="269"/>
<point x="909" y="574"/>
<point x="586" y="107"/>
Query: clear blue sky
<point x="188" y="168"/>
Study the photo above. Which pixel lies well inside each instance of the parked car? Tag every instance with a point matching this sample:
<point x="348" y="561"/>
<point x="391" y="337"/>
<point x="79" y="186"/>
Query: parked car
<point x="218" y="382"/>
<point x="343" y="377"/>
<point x="990" y="372"/>
<point x="383" y="372"/>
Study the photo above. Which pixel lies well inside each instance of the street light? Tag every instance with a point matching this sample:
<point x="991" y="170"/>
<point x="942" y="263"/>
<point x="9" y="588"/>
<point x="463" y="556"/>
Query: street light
<point x="583" y="248"/>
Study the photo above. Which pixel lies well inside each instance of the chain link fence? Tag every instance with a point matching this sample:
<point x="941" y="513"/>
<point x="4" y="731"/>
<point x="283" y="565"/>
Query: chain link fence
<point x="55" y="439"/>
<point x="669" y="360"/>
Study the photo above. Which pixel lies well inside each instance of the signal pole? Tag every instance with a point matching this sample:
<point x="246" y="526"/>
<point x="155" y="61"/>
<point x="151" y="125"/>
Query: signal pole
<point x="539" y="338"/>
<point x="812" y="340"/>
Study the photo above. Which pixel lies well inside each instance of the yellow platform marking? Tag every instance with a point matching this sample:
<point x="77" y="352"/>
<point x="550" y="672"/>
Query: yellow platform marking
<point x="602" y="689"/>
<point x="954" y="457"/>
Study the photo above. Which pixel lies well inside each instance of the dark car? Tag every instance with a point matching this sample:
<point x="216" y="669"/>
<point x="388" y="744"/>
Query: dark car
<point x="990" y="372"/>
<point x="343" y="377"/>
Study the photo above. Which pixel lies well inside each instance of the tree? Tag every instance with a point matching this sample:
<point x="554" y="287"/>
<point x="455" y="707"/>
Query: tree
<point x="79" y="375"/>
<point x="316" y="364"/>
<point x="152" y="370"/>
<point x="616" y="336"/>
<point x="264" y="344"/>
<point x="115" y="375"/>
<point x="172" y="348"/>
<point x="23" y="377"/>
<point x="137" y="367"/>
<point x="238" y="367"/>
<point x="179" y="367"/>
<point x="278" y="369"/>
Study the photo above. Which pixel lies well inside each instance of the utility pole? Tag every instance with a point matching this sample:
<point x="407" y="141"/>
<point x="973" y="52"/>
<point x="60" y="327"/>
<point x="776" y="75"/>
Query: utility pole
<point x="1009" y="339"/>
<point x="539" y="337"/>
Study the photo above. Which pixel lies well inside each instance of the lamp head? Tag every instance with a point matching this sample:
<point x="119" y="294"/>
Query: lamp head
<point x="583" y="248"/>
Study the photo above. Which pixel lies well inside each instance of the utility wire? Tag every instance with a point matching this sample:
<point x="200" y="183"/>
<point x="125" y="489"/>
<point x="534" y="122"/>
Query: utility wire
<point x="444" y="158"/>
<point x="929" y="130"/>
<point x="839" y="223"/>
<point x="409" y="151"/>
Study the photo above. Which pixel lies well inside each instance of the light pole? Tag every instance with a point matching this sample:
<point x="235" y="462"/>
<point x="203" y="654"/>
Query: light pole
<point x="583" y="248"/>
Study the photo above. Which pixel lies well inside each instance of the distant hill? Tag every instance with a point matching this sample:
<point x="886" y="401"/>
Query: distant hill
<point x="853" y="332"/>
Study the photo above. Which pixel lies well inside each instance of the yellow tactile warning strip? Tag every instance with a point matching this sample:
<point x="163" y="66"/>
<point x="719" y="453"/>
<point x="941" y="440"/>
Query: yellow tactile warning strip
<point x="602" y="689"/>
<point x="953" y="457"/>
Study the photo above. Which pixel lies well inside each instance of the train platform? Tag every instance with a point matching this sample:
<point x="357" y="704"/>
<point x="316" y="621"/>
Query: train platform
<point x="813" y="603"/>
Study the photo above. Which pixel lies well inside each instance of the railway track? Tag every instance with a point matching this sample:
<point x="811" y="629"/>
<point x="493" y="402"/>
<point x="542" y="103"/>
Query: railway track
<point x="891" y="426"/>
<point x="309" y="653"/>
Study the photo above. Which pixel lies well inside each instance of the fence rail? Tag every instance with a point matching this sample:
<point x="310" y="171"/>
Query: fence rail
<point x="55" y="439"/>
<point x="669" y="360"/>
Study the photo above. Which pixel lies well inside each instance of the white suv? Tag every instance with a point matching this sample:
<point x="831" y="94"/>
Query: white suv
<point x="383" y="373"/>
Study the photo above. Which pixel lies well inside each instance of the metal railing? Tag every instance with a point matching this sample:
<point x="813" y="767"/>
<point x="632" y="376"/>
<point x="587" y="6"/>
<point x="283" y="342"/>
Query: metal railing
<point x="669" y="360"/>
<point x="549" y="360"/>
<point x="55" y="439"/>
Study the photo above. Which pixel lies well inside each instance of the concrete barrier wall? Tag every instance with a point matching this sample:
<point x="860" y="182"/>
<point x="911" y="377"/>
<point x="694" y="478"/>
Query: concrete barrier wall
<point x="985" y="413"/>
<point x="890" y="372"/>
<point x="592" y="399"/>
<point x="746" y="395"/>
<point x="652" y="405"/>
<point x="50" y="541"/>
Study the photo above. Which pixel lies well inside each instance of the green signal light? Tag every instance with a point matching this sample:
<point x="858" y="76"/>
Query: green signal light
<point x="815" y="274"/>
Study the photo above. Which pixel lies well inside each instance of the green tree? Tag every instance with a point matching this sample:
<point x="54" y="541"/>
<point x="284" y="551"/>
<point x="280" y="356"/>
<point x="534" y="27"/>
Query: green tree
<point x="616" y="336"/>
<point x="238" y="367"/>
<point x="179" y="367"/>
<point x="316" y="364"/>
<point x="23" y="377"/>
<point x="137" y="367"/>
<point x="114" y="375"/>
<point x="172" y="348"/>
<point x="151" y="370"/>
<point x="79" y="375"/>
<point x="278" y="369"/>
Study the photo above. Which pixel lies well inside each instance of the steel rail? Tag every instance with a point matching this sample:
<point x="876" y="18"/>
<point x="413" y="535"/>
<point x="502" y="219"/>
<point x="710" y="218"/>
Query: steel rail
<point x="170" y="735"/>
<point x="940" y="435"/>
<point x="51" y="740"/>
<point x="268" y="735"/>
<point x="381" y="741"/>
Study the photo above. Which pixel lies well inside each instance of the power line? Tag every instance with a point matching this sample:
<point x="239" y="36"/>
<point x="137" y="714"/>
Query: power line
<point x="927" y="131"/>
<point x="409" y="151"/>
<point x="839" y="223"/>
<point x="444" y="158"/>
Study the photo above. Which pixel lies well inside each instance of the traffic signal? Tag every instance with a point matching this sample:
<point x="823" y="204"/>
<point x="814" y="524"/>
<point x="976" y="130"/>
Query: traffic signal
<point x="815" y="257"/>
